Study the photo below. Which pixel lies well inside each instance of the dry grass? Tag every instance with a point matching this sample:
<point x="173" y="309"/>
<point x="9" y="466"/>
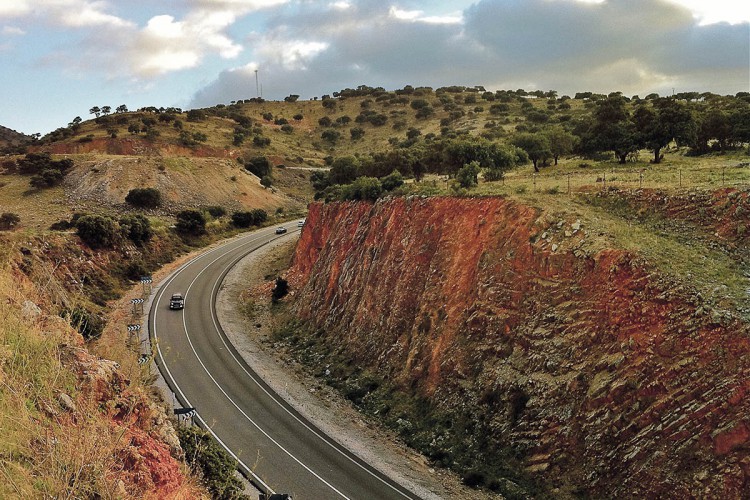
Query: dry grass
<point x="46" y="450"/>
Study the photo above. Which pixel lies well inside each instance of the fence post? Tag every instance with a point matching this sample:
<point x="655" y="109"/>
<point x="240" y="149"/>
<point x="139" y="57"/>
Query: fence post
<point x="533" y="176"/>
<point x="604" y="182"/>
<point x="640" y="179"/>
<point x="722" y="176"/>
<point x="568" y="182"/>
<point x="680" y="178"/>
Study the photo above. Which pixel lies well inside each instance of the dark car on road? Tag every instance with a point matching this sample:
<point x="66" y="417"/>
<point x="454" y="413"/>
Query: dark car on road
<point x="280" y="230"/>
<point x="177" y="301"/>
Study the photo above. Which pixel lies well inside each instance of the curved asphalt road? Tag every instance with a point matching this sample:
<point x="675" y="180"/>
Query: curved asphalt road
<point x="278" y="450"/>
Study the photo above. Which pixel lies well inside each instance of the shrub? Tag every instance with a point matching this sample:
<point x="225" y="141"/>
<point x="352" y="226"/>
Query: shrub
<point x="196" y="115"/>
<point x="216" y="211"/>
<point x="261" y="141"/>
<point x="467" y="175"/>
<point x="88" y="324"/>
<point x="331" y="136"/>
<point x="136" y="228"/>
<point x="259" y="166"/>
<point x="47" y="178"/>
<point x="191" y="222"/>
<point x="144" y="197"/>
<point x="213" y="464"/>
<point x="266" y="181"/>
<point x="280" y="289"/>
<point x="363" y="188"/>
<point x="253" y="217"/>
<point x="392" y="181"/>
<point x="97" y="231"/>
<point x="9" y="220"/>
<point x="357" y="133"/>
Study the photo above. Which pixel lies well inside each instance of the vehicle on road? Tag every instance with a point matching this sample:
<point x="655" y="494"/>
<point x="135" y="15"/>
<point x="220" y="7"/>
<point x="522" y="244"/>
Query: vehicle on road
<point x="177" y="301"/>
<point x="301" y="223"/>
<point x="280" y="230"/>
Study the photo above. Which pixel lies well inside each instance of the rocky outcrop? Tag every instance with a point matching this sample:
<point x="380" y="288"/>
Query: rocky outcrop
<point x="602" y="377"/>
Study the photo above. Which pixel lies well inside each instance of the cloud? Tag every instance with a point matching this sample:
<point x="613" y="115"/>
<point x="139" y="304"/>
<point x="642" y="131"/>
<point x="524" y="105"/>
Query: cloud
<point x="634" y="46"/>
<point x="12" y="31"/>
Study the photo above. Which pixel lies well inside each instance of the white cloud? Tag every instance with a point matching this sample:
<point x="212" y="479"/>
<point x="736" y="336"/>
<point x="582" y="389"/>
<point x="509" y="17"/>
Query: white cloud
<point x="12" y="31"/>
<point x="14" y="8"/>
<point x="418" y="16"/>
<point x="291" y="55"/>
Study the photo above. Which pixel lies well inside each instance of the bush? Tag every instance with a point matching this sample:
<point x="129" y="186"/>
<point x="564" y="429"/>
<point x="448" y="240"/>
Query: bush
<point x="363" y="188"/>
<point x="97" y="231"/>
<point x="467" y="175"/>
<point x="9" y="220"/>
<point x="214" y="465"/>
<point x="266" y="181"/>
<point x="48" y="178"/>
<point x="196" y="115"/>
<point x="259" y="166"/>
<point x="280" y="289"/>
<point x="144" y="197"/>
<point x="392" y="181"/>
<point x="191" y="222"/>
<point x="88" y="324"/>
<point x="216" y="211"/>
<point x="254" y="217"/>
<point x="136" y="228"/>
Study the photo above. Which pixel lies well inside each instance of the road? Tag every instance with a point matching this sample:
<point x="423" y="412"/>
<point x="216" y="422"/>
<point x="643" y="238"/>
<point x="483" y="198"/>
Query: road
<point x="276" y="447"/>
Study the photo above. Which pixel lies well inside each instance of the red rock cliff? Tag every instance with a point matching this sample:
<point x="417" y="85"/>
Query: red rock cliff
<point x="626" y="388"/>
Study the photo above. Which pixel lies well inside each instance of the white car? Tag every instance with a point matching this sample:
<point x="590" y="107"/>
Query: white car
<point x="301" y="223"/>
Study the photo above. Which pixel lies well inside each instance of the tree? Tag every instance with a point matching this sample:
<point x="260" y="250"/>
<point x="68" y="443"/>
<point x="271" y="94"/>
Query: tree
<point x="106" y="110"/>
<point x="343" y="170"/>
<point x="291" y="98"/>
<point x="191" y="222"/>
<point x="561" y="142"/>
<point x="537" y="146"/>
<point x="666" y="120"/>
<point x="612" y="129"/>
<point x="96" y="111"/>
<point x="121" y="109"/>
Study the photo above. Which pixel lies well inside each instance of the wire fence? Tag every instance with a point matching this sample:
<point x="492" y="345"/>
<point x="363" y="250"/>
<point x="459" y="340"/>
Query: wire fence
<point x="622" y="178"/>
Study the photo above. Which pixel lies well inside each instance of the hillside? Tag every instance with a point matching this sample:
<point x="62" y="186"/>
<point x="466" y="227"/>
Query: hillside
<point x="527" y="349"/>
<point x="9" y="137"/>
<point x="543" y="308"/>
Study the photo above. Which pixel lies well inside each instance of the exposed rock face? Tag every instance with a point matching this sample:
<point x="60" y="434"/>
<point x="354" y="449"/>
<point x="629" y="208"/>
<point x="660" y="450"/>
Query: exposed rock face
<point x="601" y="376"/>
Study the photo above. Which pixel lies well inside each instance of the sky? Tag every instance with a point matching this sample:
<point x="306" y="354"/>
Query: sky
<point x="59" y="58"/>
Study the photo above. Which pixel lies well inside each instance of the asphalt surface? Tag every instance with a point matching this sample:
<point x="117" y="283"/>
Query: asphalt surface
<point x="276" y="447"/>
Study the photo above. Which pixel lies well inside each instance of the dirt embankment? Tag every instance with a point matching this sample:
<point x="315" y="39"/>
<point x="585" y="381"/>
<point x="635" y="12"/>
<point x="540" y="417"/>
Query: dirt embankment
<point x="599" y="376"/>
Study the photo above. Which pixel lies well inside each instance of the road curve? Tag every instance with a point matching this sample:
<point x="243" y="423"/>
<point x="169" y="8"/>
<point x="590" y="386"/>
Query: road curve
<point x="276" y="447"/>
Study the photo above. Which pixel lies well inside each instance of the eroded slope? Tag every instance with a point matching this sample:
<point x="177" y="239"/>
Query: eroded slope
<point x="541" y="356"/>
